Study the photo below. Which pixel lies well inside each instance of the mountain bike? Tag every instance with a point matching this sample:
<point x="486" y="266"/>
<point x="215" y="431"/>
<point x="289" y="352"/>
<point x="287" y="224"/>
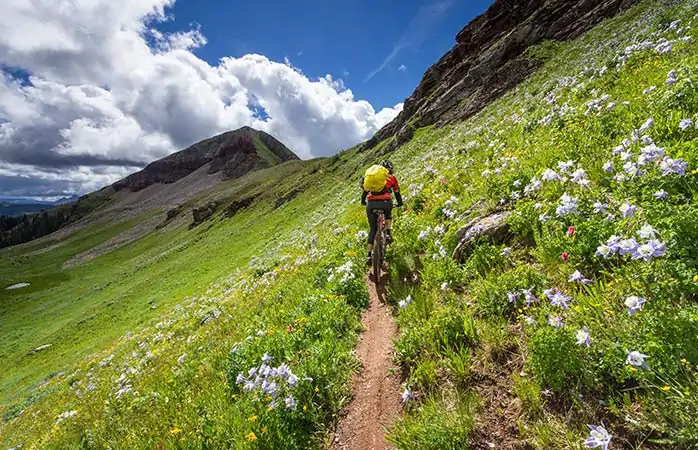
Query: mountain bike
<point x="379" y="246"/>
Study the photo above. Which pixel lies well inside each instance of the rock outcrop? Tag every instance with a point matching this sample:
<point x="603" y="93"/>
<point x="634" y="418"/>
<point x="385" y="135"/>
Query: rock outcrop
<point x="494" y="226"/>
<point x="488" y="60"/>
<point x="203" y="213"/>
<point x="233" y="154"/>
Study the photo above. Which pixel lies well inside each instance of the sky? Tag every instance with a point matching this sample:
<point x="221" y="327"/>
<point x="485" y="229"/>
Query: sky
<point x="92" y="90"/>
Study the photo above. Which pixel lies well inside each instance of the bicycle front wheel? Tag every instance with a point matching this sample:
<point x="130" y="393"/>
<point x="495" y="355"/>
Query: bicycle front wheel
<point x="377" y="257"/>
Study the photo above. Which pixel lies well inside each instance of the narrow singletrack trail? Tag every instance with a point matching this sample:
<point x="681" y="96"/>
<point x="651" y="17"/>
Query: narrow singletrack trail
<point x="376" y="402"/>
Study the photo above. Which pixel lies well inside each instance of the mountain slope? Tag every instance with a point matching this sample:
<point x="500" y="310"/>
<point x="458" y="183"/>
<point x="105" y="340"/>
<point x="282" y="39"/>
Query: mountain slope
<point x="489" y="59"/>
<point x="163" y="184"/>
<point x="572" y="299"/>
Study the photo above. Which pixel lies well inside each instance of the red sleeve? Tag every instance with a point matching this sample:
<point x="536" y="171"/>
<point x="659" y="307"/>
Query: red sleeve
<point x="392" y="183"/>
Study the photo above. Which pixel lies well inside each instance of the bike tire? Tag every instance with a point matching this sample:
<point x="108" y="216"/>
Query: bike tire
<point x="377" y="257"/>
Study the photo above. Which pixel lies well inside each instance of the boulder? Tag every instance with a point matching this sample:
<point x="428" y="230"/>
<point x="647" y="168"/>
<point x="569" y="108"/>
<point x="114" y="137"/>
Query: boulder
<point x="493" y="226"/>
<point x="203" y="213"/>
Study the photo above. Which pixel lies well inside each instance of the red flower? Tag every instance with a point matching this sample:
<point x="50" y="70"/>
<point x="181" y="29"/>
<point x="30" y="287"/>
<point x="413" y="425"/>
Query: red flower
<point x="571" y="231"/>
<point x="442" y="180"/>
<point x="290" y="328"/>
<point x="565" y="256"/>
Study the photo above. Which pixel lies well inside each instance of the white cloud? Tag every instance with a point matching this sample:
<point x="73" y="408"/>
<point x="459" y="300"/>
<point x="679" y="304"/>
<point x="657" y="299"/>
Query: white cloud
<point x="402" y="68"/>
<point x="108" y="92"/>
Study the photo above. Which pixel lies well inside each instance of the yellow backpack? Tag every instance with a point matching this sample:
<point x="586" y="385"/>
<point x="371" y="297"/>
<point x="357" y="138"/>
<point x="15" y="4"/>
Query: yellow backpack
<point x="376" y="178"/>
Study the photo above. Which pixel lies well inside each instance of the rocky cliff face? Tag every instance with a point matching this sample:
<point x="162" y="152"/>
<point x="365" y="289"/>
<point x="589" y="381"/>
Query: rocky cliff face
<point x="234" y="154"/>
<point x="487" y="59"/>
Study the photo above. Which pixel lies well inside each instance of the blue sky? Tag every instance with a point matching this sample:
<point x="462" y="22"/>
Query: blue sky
<point x="348" y="39"/>
<point x="95" y="90"/>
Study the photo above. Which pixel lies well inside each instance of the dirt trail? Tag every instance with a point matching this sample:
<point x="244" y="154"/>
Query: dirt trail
<point x="376" y="402"/>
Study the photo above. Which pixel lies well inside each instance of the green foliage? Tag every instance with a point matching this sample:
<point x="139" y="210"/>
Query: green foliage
<point x="555" y="359"/>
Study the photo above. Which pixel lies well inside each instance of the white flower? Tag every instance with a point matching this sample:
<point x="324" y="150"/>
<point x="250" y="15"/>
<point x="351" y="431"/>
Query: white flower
<point x="636" y="359"/>
<point x="506" y="251"/>
<point x="181" y="359"/>
<point x="627" y="209"/>
<point x="405" y="302"/>
<point x="685" y="124"/>
<point x="661" y="195"/>
<point x="583" y="337"/>
<point x="444" y="286"/>
<point x="649" y="123"/>
<point x="608" y="166"/>
<point x="647" y="232"/>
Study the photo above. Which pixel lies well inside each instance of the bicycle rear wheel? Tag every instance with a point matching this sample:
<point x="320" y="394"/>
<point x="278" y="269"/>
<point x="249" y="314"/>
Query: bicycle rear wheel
<point x="377" y="256"/>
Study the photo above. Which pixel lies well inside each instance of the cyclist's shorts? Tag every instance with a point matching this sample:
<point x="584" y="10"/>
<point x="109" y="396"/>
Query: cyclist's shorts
<point x="385" y="205"/>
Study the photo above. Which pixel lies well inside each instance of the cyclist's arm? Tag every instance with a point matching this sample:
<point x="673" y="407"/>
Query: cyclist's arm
<point x="396" y="191"/>
<point x="363" y="197"/>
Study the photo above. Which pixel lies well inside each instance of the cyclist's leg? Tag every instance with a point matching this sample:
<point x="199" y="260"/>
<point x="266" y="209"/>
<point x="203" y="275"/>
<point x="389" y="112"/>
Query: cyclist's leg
<point x="373" y="224"/>
<point x="388" y="208"/>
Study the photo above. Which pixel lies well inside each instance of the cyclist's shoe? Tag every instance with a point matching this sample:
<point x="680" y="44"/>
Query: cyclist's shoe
<point x="369" y="260"/>
<point x="388" y="237"/>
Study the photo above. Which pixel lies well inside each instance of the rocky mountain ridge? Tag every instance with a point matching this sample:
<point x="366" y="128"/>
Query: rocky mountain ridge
<point x="234" y="154"/>
<point x="488" y="60"/>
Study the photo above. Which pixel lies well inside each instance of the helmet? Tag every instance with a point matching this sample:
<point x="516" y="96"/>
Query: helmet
<point x="387" y="164"/>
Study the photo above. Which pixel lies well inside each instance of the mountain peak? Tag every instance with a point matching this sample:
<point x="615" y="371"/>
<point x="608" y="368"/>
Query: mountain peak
<point x="233" y="154"/>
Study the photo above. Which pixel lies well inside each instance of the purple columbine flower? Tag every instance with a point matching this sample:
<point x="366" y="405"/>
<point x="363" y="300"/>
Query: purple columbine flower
<point x="670" y="166"/>
<point x="528" y="293"/>
<point x="550" y="175"/>
<point x="568" y="205"/>
<point x="627" y="246"/>
<point x="604" y="250"/>
<point x="556" y="322"/>
<point x="661" y="195"/>
<point x="636" y="359"/>
<point x="267" y="359"/>
<point x="643" y="252"/>
<point x="529" y="320"/>
<point x="292" y="380"/>
<point x="671" y="78"/>
<point x="600" y="207"/>
<point x="240" y="379"/>
<point x="685" y="124"/>
<point x="291" y="403"/>
<point x="407" y="395"/>
<point x="512" y="296"/>
<point x="583" y="337"/>
<point x="506" y="252"/>
<point x="658" y="248"/>
<point x="634" y="304"/>
<point x="608" y="167"/>
<point x="577" y="277"/>
<point x="647" y="232"/>
<point x="649" y="123"/>
<point x="598" y="437"/>
<point x="565" y="166"/>
<point x="628" y="209"/>
<point x="557" y="298"/>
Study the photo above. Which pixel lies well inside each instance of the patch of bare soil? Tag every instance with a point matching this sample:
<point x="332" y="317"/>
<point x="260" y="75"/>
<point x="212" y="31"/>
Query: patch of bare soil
<point x="376" y="402"/>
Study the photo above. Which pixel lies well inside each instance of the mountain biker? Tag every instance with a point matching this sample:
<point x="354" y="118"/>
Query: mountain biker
<point x="380" y="200"/>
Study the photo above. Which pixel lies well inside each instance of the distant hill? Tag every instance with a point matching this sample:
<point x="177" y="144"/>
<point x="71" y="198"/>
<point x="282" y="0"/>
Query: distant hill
<point x="14" y="207"/>
<point x="199" y="167"/>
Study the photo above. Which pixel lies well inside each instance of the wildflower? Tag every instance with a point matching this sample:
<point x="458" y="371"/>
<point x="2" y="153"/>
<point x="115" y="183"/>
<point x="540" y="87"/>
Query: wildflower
<point x="571" y="231"/>
<point x="557" y="298"/>
<point x="550" y="175"/>
<point x="600" y="208"/>
<point x="240" y="379"/>
<point x="529" y="296"/>
<point x="658" y="248"/>
<point x="66" y="415"/>
<point x="512" y="296"/>
<point x="408" y="395"/>
<point x="627" y="246"/>
<point x="666" y="388"/>
<point x="565" y="166"/>
<point x="671" y="78"/>
<point x="556" y="322"/>
<point x="267" y="359"/>
<point x="649" y="123"/>
<point x="661" y="194"/>
<point x="608" y="167"/>
<point x="673" y="166"/>
<point x="627" y="209"/>
<point x="423" y="235"/>
<point x="577" y="277"/>
<point x="685" y="124"/>
<point x="636" y="359"/>
<point x="251" y="437"/>
<point x="405" y="302"/>
<point x="529" y="320"/>
<point x="265" y="429"/>
<point x="631" y="169"/>
<point x="175" y="431"/>
<point x="634" y="304"/>
<point x="291" y="403"/>
<point x="644" y="252"/>
<point x="583" y="337"/>
<point x="543" y="218"/>
<point x="568" y="205"/>
<point x="533" y="186"/>
<point x="598" y="437"/>
<point x="565" y="256"/>
<point x="181" y="359"/>
<point x="442" y="180"/>
<point x="253" y="419"/>
<point x="647" y="232"/>
<point x="506" y="252"/>
<point x="579" y="176"/>
<point x="444" y="286"/>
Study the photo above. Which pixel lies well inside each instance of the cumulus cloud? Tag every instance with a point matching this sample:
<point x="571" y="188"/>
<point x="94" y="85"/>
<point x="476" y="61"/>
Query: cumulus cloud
<point x="105" y="93"/>
<point x="402" y="68"/>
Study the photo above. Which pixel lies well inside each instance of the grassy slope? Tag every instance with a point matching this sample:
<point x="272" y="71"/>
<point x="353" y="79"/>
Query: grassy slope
<point x="172" y="381"/>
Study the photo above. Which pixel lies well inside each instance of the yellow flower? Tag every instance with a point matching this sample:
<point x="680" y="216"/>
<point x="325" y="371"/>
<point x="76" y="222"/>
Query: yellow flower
<point x="317" y="389"/>
<point x="265" y="429"/>
<point x="175" y="431"/>
<point x="235" y="396"/>
<point x="251" y="437"/>
<point x="305" y="408"/>
<point x="695" y="278"/>
<point x="632" y="369"/>
<point x="684" y="361"/>
<point x="252" y="419"/>
<point x="666" y="388"/>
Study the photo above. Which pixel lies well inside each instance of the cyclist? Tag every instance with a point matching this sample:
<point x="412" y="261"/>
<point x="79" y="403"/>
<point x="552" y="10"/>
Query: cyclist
<point x="380" y="200"/>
